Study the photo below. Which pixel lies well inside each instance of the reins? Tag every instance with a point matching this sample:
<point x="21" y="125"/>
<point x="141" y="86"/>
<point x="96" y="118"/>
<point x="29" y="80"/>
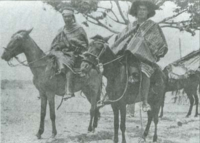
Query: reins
<point x="22" y="63"/>
<point x="125" y="89"/>
<point x="30" y="63"/>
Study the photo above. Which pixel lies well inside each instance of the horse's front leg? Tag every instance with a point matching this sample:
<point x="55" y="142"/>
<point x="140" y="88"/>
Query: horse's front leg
<point x="97" y="113"/>
<point x="116" y="122"/>
<point x="91" y="127"/>
<point x="51" y="99"/>
<point x="123" y="122"/>
<point x="190" y="96"/>
<point x="197" y="103"/>
<point x="42" y="115"/>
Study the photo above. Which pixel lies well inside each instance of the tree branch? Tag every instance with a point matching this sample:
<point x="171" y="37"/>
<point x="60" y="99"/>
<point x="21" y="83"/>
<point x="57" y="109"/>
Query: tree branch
<point x="120" y="11"/>
<point x="171" y="17"/>
<point x="176" y="27"/>
<point x="99" y="23"/>
<point x="117" y="21"/>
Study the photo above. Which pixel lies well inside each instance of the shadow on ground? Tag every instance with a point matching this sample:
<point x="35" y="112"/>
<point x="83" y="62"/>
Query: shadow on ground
<point x="84" y="138"/>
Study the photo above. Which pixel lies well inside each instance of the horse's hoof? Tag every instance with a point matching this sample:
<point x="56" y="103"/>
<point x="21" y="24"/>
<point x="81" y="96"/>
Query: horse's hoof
<point x="50" y="140"/>
<point x="124" y="141"/>
<point x="89" y="129"/>
<point x="38" y="136"/>
<point x="115" y="140"/>
<point x="187" y="116"/>
<point x="53" y="135"/>
<point x="141" y="140"/>
<point x="93" y="131"/>
<point x="196" y="115"/>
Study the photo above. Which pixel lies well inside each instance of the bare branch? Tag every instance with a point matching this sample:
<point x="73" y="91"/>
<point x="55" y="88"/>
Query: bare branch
<point x="117" y="21"/>
<point x="171" y="17"/>
<point x="110" y="9"/>
<point x="176" y="27"/>
<point x="165" y="26"/>
<point x="99" y="23"/>
<point x="120" y="11"/>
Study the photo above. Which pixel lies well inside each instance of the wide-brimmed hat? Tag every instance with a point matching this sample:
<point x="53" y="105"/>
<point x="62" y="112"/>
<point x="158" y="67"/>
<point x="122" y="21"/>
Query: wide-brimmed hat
<point x="148" y="3"/>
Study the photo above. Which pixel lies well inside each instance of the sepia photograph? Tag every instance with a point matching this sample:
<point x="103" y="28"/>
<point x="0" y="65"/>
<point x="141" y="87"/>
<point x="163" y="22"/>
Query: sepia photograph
<point x="100" y="71"/>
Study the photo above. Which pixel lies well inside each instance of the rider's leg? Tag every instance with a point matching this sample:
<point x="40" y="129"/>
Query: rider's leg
<point x="69" y="87"/>
<point x="145" y="86"/>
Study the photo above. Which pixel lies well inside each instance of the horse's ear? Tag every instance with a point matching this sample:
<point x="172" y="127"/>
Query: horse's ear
<point x="29" y="31"/>
<point x="107" y="38"/>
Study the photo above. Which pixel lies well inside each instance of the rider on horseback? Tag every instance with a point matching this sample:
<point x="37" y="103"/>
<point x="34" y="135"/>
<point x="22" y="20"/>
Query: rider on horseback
<point x="145" y="40"/>
<point x="70" y="42"/>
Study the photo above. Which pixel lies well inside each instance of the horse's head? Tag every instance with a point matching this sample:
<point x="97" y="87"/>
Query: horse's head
<point x="96" y="49"/>
<point x="15" y="46"/>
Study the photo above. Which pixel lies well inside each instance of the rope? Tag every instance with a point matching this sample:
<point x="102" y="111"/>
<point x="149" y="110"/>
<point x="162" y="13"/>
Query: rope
<point x="113" y="60"/>
<point x="27" y="65"/>
<point x="60" y="103"/>
<point x="125" y="89"/>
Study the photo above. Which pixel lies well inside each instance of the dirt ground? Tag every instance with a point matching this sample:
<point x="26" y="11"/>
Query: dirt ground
<point x="20" y="115"/>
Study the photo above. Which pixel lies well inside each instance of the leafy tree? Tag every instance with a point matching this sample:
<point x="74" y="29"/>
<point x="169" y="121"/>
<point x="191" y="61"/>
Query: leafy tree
<point x="91" y="8"/>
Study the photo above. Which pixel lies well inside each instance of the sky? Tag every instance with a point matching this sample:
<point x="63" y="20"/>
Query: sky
<point x="46" y="22"/>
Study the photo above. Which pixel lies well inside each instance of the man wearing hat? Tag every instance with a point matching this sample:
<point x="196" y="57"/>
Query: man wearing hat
<point x="66" y="46"/>
<point x="145" y="40"/>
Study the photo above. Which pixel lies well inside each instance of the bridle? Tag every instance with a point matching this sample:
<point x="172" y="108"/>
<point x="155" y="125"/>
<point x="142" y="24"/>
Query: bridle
<point x="22" y="63"/>
<point x="97" y="57"/>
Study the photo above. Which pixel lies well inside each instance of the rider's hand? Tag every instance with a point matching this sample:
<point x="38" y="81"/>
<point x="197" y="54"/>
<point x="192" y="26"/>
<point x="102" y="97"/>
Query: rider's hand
<point x="57" y="48"/>
<point x="78" y="49"/>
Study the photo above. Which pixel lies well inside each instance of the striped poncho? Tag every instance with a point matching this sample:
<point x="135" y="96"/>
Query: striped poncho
<point x="146" y="41"/>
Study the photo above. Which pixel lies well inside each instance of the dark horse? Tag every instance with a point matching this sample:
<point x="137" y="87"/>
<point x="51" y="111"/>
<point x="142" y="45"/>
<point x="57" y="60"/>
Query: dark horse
<point x="189" y="85"/>
<point x="21" y="42"/>
<point x="118" y="89"/>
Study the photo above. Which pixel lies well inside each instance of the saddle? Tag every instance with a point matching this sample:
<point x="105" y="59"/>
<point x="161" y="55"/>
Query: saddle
<point x="59" y="63"/>
<point x="134" y="74"/>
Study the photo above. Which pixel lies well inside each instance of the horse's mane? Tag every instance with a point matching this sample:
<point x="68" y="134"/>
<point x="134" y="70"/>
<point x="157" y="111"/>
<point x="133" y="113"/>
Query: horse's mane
<point x="20" y="31"/>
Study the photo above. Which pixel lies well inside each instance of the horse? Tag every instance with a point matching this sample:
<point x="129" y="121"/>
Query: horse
<point x="37" y="60"/>
<point x="189" y="84"/>
<point x="119" y="90"/>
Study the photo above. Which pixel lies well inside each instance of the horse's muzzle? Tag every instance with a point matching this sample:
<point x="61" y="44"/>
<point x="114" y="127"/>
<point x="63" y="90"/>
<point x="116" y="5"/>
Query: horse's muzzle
<point x="85" y="68"/>
<point x="5" y="56"/>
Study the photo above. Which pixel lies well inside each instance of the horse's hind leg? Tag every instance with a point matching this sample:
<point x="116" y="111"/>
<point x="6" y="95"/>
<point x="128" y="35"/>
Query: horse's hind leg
<point x="96" y="118"/>
<point x="162" y="106"/>
<point x="191" y="104"/>
<point x="155" y="117"/>
<point x="42" y="115"/>
<point x="197" y="103"/>
<point x="123" y="122"/>
<point x="150" y="117"/>
<point x="116" y="122"/>
<point x="51" y="99"/>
